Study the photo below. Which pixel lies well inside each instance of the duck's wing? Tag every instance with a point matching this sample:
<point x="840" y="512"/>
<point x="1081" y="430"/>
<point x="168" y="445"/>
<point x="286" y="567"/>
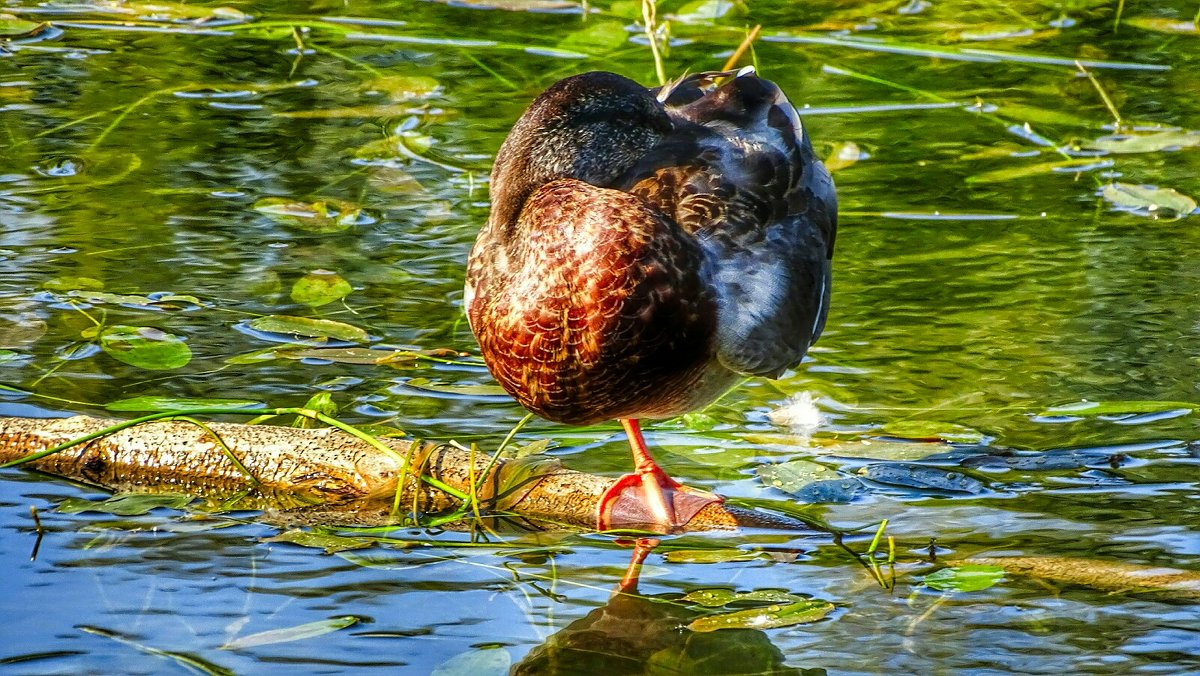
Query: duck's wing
<point x="740" y="174"/>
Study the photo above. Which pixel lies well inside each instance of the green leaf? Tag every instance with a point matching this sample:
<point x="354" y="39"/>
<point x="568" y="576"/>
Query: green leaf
<point x="145" y="347"/>
<point x="155" y="403"/>
<point x="596" y="37"/>
<point x="322" y="216"/>
<point x="1027" y="170"/>
<point x="793" y="475"/>
<point x="320" y="287"/>
<point x="329" y="542"/>
<point x="132" y="504"/>
<point x="707" y="11"/>
<point x="964" y="578"/>
<point x="12" y="27"/>
<point x="322" y="402"/>
<point x="716" y="598"/>
<point x="486" y="661"/>
<point x="399" y="88"/>
<point x="1093" y="408"/>
<point x="844" y="154"/>
<point x="310" y="328"/>
<point x="1146" y="143"/>
<point x="517" y="477"/>
<point x="911" y="475"/>
<point x="929" y="430"/>
<point x="1148" y="200"/>
<point x="10" y="357"/>
<point x="459" y="389"/>
<point x="296" y="633"/>
<point x="882" y="449"/>
<point x="1163" y="25"/>
<point x="709" y="555"/>
<point x="73" y="283"/>
<point x="770" y="617"/>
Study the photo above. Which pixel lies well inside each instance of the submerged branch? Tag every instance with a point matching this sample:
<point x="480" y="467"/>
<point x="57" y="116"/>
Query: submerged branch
<point x="324" y="475"/>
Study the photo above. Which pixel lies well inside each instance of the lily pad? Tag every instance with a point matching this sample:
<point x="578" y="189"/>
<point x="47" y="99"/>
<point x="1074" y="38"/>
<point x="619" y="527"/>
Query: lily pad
<point x="1097" y="408"/>
<point x="964" y="578"/>
<point x="320" y="287"/>
<point x="72" y="284"/>
<point x="770" y="617"/>
<point x="843" y="155"/>
<point x="145" y="347"/>
<point x="296" y="633"/>
<point x="329" y="542"/>
<point x="482" y="661"/>
<point x="1175" y="139"/>
<point x="322" y="216"/>
<point x="710" y="555"/>
<point x="310" y="328"/>
<point x="404" y="87"/>
<point x="12" y="27"/>
<point x="457" y="389"/>
<point x="912" y="475"/>
<point x="716" y="598"/>
<point x="153" y="403"/>
<point x="793" y="475"/>
<point x="133" y="504"/>
<point x="930" y="430"/>
<point x="1148" y="200"/>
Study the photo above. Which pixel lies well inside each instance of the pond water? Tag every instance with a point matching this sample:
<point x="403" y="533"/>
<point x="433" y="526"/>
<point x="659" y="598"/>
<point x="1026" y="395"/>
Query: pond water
<point x="982" y="278"/>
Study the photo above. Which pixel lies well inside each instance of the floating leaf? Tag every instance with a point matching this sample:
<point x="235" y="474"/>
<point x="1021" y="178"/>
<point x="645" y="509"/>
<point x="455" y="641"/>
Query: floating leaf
<point x="72" y="284"/>
<point x="457" y="389"/>
<point x="403" y="87"/>
<point x="153" y="403"/>
<point x="1161" y="25"/>
<point x="843" y="155"/>
<point x="793" y="475"/>
<point x="186" y="660"/>
<point x="10" y="357"/>
<point x="329" y="542"/>
<point x="145" y="347"/>
<point x="709" y="555"/>
<point x="716" y="598"/>
<point x="322" y="216"/>
<point x="912" y="475"/>
<point x="831" y="491"/>
<point x="770" y="617"/>
<point x="320" y="287"/>
<point x="1093" y="408"/>
<point x="1148" y="200"/>
<point x="339" y="355"/>
<point x="706" y="11"/>
<point x="596" y="37"/>
<point x="964" y="578"/>
<point x="310" y="328"/>
<point x="1146" y="143"/>
<point x="484" y="661"/>
<point x="882" y="449"/>
<point x="1027" y="170"/>
<point x="296" y="633"/>
<point x="929" y="430"/>
<point x="11" y="27"/>
<point x="132" y="504"/>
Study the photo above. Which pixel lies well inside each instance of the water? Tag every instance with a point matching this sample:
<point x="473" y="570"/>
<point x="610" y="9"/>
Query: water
<point x="964" y="294"/>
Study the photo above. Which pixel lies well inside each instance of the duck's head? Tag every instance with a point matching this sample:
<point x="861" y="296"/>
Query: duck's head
<point x="591" y="127"/>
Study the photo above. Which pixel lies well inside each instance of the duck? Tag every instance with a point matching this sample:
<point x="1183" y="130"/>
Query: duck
<point x="646" y="249"/>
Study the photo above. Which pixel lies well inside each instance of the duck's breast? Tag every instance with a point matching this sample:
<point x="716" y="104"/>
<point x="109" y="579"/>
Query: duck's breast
<point x="599" y="310"/>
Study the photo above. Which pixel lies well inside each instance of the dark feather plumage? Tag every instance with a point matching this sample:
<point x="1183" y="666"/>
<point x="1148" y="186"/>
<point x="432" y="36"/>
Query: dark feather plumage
<point x="642" y="254"/>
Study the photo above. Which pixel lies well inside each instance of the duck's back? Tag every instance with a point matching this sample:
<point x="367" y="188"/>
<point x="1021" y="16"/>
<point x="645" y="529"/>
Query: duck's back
<point x="740" y="174"/>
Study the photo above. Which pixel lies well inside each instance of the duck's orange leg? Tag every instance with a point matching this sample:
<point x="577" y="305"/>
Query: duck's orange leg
<point x="649" y="498"/>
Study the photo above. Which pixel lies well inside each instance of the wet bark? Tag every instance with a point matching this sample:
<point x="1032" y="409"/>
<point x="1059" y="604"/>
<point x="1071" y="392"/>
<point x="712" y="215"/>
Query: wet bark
<point x="320" y="475"/>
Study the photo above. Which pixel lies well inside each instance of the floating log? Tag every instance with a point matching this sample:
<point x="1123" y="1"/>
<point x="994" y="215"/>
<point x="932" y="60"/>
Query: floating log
<point x="321" y="475"/>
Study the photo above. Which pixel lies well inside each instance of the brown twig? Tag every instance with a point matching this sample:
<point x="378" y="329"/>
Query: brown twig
<point x="741" y="50"/>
